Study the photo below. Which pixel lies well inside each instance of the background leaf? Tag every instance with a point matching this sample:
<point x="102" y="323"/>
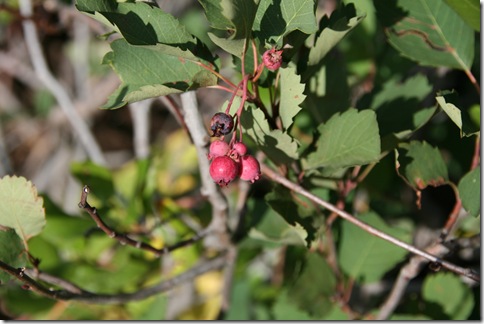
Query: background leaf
<point x="20" y="207"/>
<point x="447" y="290"/>
<point x="11" y="252"/>
<point x="398" y="105"/>
<point x="431" y="33"/>
<point x="346" y="140"/>
<point x="365" y="257"/>
<point x="421" y="164"/>
<point x="470" y="191"/>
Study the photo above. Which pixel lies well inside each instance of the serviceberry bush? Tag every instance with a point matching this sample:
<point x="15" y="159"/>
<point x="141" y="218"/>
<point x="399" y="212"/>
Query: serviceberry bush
<point x="325" y="166"/>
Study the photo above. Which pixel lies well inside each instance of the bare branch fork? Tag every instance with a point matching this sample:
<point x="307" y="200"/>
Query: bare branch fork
<point x="126" y="240"/>
<point x="268" y="172"/>
<point x="72" y="292"/>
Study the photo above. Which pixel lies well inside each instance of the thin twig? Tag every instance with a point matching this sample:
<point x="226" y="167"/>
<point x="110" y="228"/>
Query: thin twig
<point x="93" y="298"/>
<point x="140" y="113"/>
<point x="40" y="66"/>
<point x="268" y="172"/>
<point x="126" y="240"/>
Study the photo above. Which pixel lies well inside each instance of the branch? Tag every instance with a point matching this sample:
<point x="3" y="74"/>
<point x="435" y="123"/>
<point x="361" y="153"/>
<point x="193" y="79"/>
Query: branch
<point x="432" y="258"/>
<point x="93" y="298"/>
<point x="126" y="240"/>
<point x="40" y="66"/>
<point x="209" y="188"/>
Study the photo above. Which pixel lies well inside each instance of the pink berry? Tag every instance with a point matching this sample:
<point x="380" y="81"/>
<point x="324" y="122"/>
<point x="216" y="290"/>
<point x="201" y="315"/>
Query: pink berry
<point x="224" y="170"/>
<point x="250" y="168"/>
<point x="238" y="149"/>
<point x="272" y="59"/>
<point x="221" y="124"/>
<point x="218" y="148"/>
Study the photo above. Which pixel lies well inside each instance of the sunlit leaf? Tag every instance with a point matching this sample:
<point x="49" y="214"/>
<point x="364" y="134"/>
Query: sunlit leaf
<point x="292" y="95"/>
<point x="348" y="139"/>
<point x="20" y="207"/>
<point x="421" y="164"/>
<point x="332" y="31"/>
<point x="447" y="101"/>
<point x="275" y="19"/>
<point x="469" y="10"/>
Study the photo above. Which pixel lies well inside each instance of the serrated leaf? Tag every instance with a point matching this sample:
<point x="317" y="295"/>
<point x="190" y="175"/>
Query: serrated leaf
<point x="470" y="191"/>
<point x="366" y="257"/>
<point x="279" y="146"/>
<point x="292" y="95"/>
<point x="469" y="10"/>
<point x="20" y="207"/>
<point x="275" y="19"/>
<point x="447" y="290"/>
<point x="282" y="201"/>
<point x="433" y="34"/>
<point x="347" y="139"/>
<point x="398" y="106"/>
<point x="235" y="16"/>
<point x="421" y="165"/>
<point x="333" y="30"/>
<point x="11" y="252"/>
<point x="461" y="118"/>
<point x="145" y="73"/>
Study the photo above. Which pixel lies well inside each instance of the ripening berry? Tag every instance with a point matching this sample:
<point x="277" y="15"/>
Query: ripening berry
<point x="218" y="148"/>
<point x="224" y="170"/>
<point x="238" y="150"/>
<point x="272" y="59"/>
<point x="250" y="168"/>
<point x="221" y="124"/>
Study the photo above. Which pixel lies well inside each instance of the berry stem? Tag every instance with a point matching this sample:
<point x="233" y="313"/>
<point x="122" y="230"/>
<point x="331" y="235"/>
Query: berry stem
<point x="218" y="75"/>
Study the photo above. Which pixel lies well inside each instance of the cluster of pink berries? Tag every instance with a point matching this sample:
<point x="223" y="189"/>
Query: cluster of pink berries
<point x="230" y="161"/>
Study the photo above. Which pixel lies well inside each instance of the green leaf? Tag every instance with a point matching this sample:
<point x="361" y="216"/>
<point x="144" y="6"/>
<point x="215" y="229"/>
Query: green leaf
<point x="292" y="95"/>
<point x="275" y="19"/>
<point x="470" y="191"/>
<point x="282" y="201"/>
<point x="285" y="310"/>
<point x="347" y="139"/>
<point x="447" y="290"/>
<point x="366" y="257"/>
<point x="279" y="146"/>
<point x="398" y="105"/>
<point x="421" y="165"/>
<point x="314" y="287"/>
<point x="20" y="207"/>
<point x="98" y="178"/>
<point x="11" y="252"/>
<point x="433" y="34"/>
<point x="447" y="101"/>
<point x="146" y="72"/>
<point x="468" y="10"/>
<point x="237" y="17"/>
<point x="333" y="30"/>
<point x="233" y="15"/>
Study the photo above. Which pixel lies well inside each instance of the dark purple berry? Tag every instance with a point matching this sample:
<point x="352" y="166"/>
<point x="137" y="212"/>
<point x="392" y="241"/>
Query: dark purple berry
<point x="221" y="124"/>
